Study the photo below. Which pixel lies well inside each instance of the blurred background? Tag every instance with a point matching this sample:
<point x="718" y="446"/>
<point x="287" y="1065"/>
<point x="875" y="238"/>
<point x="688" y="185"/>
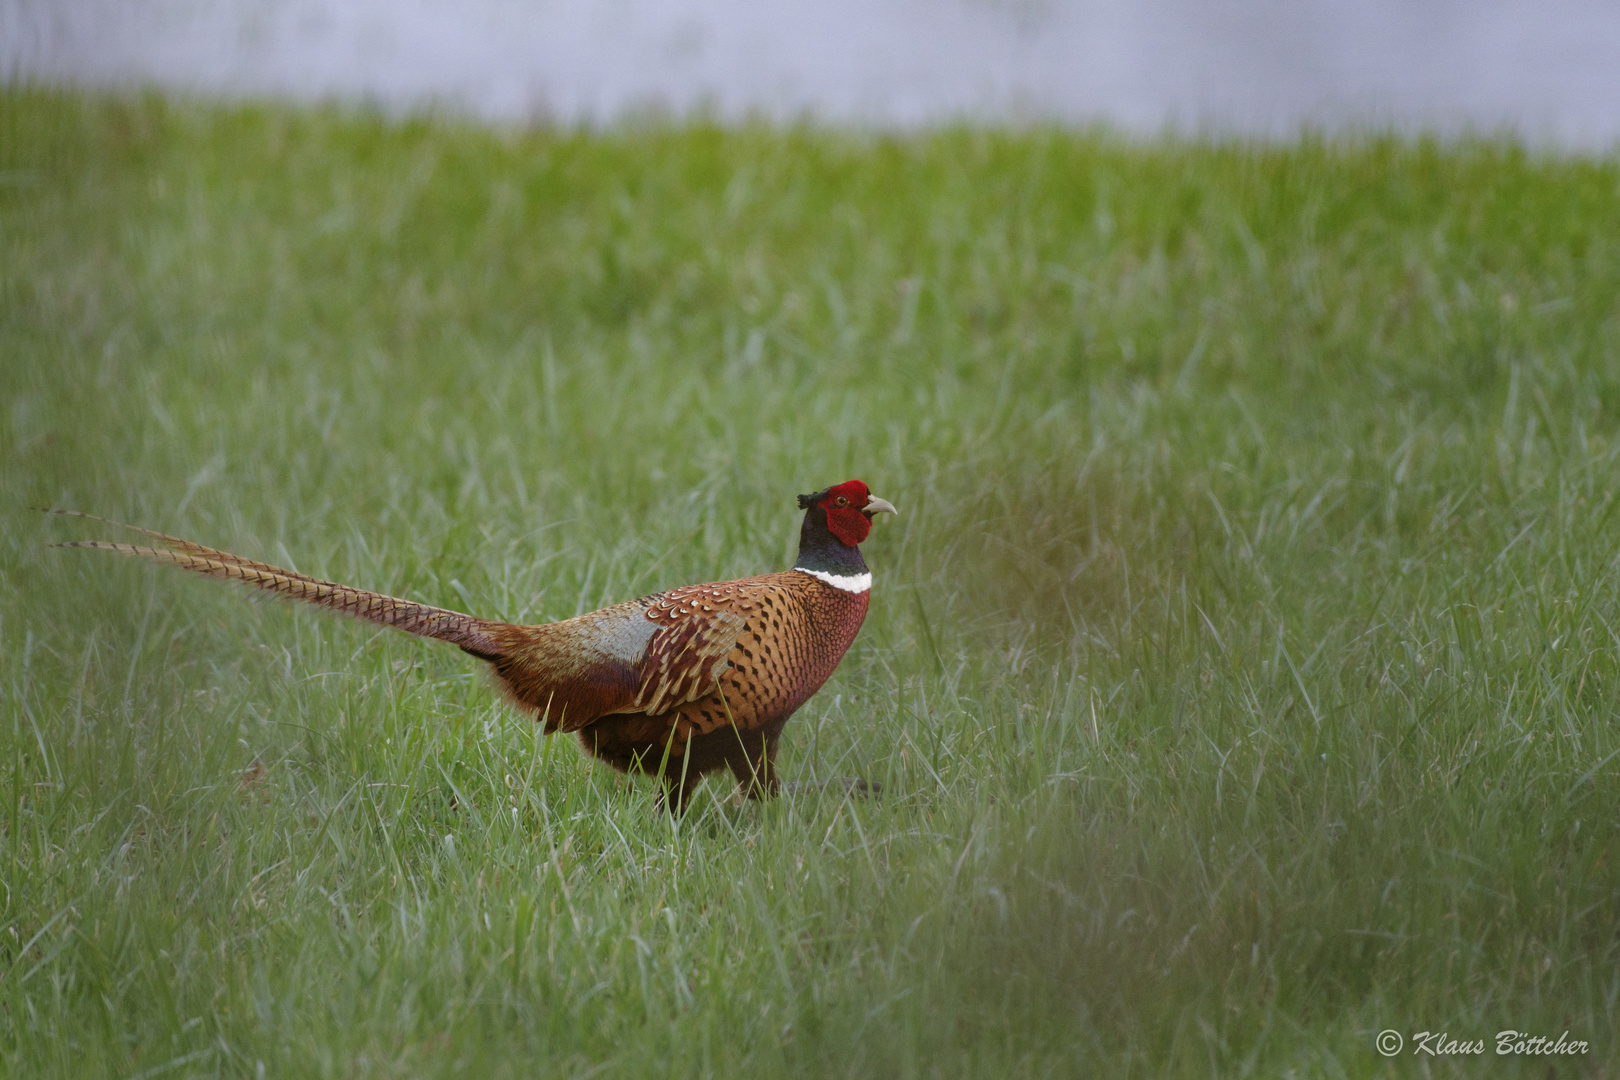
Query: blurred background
<point x="1547" y="71"/>
<point x="1241" y="673"/>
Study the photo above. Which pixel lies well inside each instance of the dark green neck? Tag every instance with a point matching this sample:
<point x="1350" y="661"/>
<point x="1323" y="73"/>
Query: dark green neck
<point x="820" y="550"/>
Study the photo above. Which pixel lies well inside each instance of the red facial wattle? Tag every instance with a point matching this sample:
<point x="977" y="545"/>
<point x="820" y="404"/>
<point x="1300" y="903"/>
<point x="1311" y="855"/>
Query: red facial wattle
<point x="844" y="518"/>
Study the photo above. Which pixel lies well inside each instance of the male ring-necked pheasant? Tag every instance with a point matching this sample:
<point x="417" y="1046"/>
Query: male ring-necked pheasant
<point x="677" y="684"/>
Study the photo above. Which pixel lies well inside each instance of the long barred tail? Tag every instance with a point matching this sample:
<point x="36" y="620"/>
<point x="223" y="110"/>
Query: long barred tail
<point x="471" y="634"/>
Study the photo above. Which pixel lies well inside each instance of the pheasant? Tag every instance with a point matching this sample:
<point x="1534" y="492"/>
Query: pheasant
<point x="677" y="684"/>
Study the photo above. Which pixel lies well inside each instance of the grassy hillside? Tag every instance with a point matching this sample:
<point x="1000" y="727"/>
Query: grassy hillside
<point x="1242" y="669"/>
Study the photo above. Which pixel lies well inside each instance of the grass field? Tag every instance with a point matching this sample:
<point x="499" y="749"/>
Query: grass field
<point x="1242" y="671"/>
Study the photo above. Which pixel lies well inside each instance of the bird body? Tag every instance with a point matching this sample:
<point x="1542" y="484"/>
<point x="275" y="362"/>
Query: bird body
<point x="679" y="683"/>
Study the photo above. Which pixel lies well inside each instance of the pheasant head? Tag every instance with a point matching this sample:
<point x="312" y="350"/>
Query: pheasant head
<point x="836" y="520"/>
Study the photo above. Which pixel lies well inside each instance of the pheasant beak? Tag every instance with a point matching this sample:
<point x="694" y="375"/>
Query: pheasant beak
<point x="875" y="506"/>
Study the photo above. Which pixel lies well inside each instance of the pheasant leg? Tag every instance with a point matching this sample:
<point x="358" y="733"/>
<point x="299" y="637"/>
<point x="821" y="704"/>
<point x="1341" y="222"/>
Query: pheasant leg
<point x="753" y="763"/>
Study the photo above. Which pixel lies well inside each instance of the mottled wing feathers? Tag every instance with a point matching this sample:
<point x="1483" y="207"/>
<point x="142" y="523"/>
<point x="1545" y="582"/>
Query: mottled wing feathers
<point x="646" y="656"/>
<point x="473" y="635"/>
<point x="577" y="670"/>
<point x="698" y="626"/>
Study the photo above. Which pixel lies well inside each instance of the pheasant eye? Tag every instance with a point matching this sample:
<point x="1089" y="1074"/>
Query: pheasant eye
<point x="842" y="501"/>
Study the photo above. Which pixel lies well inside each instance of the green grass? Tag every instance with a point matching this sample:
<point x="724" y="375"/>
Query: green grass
<point x="1242" y="671"/>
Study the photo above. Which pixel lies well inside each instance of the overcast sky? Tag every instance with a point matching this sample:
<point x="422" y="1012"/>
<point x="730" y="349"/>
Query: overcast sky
<point x="1549" y="70"/>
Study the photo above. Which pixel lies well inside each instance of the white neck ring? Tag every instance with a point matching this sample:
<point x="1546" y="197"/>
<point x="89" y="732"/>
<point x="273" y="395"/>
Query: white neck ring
<point x="852" y="583"/>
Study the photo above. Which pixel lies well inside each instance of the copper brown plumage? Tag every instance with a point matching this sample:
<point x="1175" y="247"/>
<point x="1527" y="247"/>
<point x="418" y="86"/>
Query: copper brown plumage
<point x="680" y="683"/>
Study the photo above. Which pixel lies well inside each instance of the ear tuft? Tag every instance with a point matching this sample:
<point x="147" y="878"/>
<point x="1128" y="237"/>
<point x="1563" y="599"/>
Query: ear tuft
<point x="806" y="501"/>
